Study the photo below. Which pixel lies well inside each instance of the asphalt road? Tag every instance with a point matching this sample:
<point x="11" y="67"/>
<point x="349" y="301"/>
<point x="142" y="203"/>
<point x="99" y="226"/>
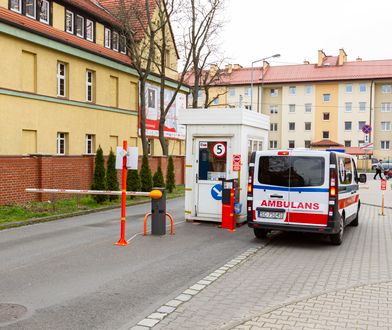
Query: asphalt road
<point x="70" y="275"/>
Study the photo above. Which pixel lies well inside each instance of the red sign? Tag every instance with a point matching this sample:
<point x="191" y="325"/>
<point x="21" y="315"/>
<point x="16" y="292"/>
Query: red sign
<point x="236" y="162"/>
<point x="383" y="184"/>
<point x="219" y="149"/>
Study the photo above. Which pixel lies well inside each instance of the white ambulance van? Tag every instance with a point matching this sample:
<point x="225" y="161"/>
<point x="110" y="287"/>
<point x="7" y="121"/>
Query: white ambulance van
<point x="303" y="190"/>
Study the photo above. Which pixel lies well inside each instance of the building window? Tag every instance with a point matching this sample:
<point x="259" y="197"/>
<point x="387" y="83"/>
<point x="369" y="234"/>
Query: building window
<point x="386" y="89"/>
<point x="273" y="127"/>
<point x="273" y="144"/>
<point x="362" y="88"/>
<point x="347" y="143"/>
<point x="248" y="107"/>
<point x="291" y="108"/>
<point x="347" y="125"/>
<point x="386" y="107"/>
<point x="361" y="143"/>
<point x="308" y="126"/>
<point x="89" y="30"/>
<point x="308" y="107"/>
<point x="150" y="147"/>
<point x="231" y="91"/>
<point x="348" y="106"/>
<point x="108" y="38"/>
<point x="291" y="144"/>
<point x="61" y="143"/>
<point x="31" y="9"/>
<point x="384" y="145"/>
<point x="80" y="26"/>
<point x="44" y="12"/>
<point x="349" y="88"/>
<point x="215" y="101"/>
<point x="90" y="144"/>
<point x="115" y="41"/>
<point x="325" y="115"/>
<point x="385" y="125"/>
<point x="291" y="126"/>
<point x="307" y="144"/>
<point x="274" y="92"/>
<point x="308" y="89"/>
<point x="247" y="91"/>
<point x="16" y="5"/>
<point x="361" y="124"/>
<point x="362" y="106"/>
<point x="326" y="97"/>
<point x="273" y="109"/>
<point x="325" y="134"/>
<point x="61" y="79"/>
<point x="292" y="90"/>
<point x="123" y="49"/>
<point x="69" y="21"/>
<point x="89" y="86"/>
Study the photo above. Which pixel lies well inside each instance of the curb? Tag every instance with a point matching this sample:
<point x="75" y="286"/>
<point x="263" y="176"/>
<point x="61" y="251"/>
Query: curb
<point x="154" y="318"/>
<point x="68" y="215"/>
<point x="375" y="205"/>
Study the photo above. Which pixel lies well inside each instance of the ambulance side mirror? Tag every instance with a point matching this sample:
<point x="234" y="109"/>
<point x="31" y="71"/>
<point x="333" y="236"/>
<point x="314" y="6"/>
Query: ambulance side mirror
<point x="362" y="178"/>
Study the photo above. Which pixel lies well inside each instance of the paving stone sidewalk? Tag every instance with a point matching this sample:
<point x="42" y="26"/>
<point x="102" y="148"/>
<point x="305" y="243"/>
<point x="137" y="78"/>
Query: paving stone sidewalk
<point x="303" y="275"/>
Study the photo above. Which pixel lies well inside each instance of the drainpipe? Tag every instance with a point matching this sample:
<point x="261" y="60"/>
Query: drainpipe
<point x="370" y="110"/>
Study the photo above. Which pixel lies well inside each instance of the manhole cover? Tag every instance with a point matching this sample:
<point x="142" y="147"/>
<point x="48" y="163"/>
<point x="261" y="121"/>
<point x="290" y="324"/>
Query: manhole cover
<point x="11" y="312"/>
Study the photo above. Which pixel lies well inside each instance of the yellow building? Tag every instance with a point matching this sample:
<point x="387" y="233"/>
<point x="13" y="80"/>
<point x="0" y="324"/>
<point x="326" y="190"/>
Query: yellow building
<point x="330" y="100"/>
<point x="66" y="82"/>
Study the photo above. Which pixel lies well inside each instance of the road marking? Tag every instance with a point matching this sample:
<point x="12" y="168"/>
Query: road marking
<point x="149" y="231"/>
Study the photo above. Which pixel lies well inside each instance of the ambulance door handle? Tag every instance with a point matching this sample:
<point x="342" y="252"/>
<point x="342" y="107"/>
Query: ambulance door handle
<point x="276" y="196"/>
<point x="197" y="178"/>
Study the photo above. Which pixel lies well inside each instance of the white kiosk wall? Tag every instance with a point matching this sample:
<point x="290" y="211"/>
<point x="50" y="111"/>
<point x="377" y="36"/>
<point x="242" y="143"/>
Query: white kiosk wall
<point x="213" y="136"/>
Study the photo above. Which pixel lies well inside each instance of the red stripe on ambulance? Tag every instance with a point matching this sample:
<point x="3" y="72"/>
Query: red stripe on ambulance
<point x="307" y="218"/>
<point x="345" y="202"/>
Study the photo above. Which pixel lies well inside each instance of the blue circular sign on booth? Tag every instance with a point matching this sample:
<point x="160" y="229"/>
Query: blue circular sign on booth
<point x="216" y="192"/>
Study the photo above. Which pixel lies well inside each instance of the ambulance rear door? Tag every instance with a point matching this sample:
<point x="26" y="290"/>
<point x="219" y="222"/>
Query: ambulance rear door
<point x="309" y="188"/>
<point x="271" y="196"/>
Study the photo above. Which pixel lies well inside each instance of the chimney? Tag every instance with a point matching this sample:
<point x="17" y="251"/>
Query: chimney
<point x="359" y="59"/>
<point x="321" y="57"/>
<point x="342" y="56"/>
<point x="213" y="69"/>
<point x="306" y="62"/>
<point x="237" y="66"/>
<point x="265" y="66"/>
<point x="228" y="68"/>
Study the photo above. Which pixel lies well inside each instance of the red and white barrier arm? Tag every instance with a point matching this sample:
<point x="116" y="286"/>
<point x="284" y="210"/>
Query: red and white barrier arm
<point x="155" y="194"/>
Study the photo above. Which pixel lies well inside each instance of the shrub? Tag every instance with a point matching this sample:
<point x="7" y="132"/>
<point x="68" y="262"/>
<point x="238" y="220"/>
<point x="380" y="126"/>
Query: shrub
<point x="133" y="181"/>
<point x="99" y="176"/>
<point x="111" y="175"/>
<point x="145" y="175"/>
<point x="170" y="178"/>
<point x="157" y="179"/>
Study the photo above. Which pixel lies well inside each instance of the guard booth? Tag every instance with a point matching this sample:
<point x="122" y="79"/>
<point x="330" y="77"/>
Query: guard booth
<point x="218" y="146"/>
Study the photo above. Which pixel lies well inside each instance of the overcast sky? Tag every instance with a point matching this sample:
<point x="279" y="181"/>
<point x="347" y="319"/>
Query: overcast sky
<point x="297" y="29"/>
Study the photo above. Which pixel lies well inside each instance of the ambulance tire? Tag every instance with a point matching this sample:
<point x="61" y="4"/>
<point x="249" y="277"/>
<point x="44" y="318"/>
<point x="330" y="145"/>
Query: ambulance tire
<point x="337" y="239"/>
<point x="260" y="232"/>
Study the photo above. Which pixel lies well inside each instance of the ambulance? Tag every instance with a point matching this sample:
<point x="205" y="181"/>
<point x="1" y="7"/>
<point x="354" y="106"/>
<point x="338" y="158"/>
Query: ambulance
<point x="303" y="190"/>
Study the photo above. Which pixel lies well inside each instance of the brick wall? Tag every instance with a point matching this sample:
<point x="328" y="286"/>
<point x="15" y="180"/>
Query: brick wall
<point x="68" y="172"/>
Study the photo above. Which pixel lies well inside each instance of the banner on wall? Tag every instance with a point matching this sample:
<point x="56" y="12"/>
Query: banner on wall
<point x="172" y="128"/>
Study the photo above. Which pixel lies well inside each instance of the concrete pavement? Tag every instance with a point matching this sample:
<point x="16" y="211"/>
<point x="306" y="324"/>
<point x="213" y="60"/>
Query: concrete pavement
<point x="302" y="282"/>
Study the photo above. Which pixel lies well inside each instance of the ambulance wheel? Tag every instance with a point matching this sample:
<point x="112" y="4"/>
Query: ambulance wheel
<point x="260" y="233"/>
<point x="337" y="239"/>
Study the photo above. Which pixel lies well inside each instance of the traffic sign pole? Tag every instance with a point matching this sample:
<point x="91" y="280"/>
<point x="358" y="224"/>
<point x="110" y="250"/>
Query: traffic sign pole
<point x="122" y="241"/>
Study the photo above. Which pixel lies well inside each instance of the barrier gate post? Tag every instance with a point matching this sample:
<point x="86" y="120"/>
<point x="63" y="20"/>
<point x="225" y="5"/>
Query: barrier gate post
<point x="122" y="241"/>
<point x="158" y="214"/>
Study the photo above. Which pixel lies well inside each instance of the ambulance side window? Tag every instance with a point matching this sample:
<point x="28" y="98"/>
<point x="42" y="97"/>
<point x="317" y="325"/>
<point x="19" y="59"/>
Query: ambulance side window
<point x="345" y="171"/>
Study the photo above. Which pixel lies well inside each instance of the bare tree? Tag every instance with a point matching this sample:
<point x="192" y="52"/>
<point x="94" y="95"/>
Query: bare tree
<point x="210" y="78"/>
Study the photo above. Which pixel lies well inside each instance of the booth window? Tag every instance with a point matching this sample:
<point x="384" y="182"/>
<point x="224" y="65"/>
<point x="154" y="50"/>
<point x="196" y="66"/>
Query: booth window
<point x="211" y="167"/>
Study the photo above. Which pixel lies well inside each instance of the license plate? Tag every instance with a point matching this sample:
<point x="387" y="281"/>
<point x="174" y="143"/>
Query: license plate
<point x="271" y="215"/>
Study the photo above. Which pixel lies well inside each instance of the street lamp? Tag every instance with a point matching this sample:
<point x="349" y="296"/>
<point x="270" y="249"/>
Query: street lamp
<point x="251" y="76"/>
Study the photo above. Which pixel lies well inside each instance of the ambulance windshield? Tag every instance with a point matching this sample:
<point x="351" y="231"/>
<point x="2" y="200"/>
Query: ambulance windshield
<point x="291" y="171"/>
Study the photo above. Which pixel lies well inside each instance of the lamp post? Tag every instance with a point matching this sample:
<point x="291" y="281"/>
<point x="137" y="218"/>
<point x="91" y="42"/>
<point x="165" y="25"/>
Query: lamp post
<point x="251" y="76"/>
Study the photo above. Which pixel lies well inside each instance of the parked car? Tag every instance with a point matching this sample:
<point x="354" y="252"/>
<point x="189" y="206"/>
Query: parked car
<point x="386" y="166"/>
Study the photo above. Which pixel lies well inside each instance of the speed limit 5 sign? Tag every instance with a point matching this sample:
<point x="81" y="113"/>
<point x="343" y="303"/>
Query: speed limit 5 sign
<point x="219" y="149"/>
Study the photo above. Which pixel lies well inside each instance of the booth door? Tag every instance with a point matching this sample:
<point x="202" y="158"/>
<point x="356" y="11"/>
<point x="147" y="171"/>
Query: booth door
<point x="211" y="162"/>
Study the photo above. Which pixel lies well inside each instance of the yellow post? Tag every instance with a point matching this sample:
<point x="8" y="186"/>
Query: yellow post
<point x="382" y="203"/>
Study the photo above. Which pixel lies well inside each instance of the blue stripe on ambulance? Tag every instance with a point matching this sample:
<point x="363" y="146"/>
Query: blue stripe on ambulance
<point x="291" y="189"/>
